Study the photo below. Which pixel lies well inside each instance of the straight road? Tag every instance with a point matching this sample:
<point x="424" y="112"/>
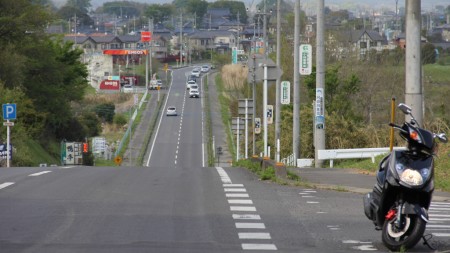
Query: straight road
<point x="175" y="204"/>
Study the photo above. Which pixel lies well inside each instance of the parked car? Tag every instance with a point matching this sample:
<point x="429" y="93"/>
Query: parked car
<point x="171" y="111"/>
<point x="205" y="68"/>
<point x="190" y="83"/>
<point x="194" y="93"/>
<point x="128" y="88"/>
<point x="154" y="85"/>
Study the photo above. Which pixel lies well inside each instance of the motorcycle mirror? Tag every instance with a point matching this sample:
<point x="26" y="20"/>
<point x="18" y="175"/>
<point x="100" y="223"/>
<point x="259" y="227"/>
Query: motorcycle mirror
<point x="404" y="108"/>
<point x="442" y="137"/>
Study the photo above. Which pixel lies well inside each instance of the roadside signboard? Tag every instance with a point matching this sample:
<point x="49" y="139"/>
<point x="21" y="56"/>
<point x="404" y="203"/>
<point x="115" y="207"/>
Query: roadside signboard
<point x="257" y="125"/>
<point x="9" y="111"/>
<point x="234" y="54"/>
<point x="305" y="59"/>
<point x="110" y="85"/>
<point x="269" y="114"/>
<point x="4" y="151"/>
<point x="285" y="92"/>
<point x="146" y="36"/>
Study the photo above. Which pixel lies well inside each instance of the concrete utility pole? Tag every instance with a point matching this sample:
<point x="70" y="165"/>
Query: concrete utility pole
<point x="150" y="29"/>
<point x="181" y="39"/>
<point x="264" y="30"/>
<point x="296" y="119"/>
<point x="320" y="82"/>
<point x="277" y="85"/>
<point x="413" y="65"/>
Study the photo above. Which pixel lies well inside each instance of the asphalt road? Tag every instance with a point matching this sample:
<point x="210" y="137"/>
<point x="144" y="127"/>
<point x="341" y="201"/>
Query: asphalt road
<point x="175" y="204"/>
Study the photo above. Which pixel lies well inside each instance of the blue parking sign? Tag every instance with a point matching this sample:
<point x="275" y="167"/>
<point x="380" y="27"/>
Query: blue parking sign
<point x="9" y="111"/>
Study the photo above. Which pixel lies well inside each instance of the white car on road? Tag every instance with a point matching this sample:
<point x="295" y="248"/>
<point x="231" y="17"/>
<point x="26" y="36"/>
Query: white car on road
<point x="190" y="83"/>
<point x="196" y="72"/>
<point x="171" y="111"/>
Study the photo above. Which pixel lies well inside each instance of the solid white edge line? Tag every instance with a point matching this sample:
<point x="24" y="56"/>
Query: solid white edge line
<point x="160" y="119"/>
<point x="203" y="127"/>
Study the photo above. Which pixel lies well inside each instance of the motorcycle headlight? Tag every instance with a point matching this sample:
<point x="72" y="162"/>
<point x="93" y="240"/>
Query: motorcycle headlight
<point x="411" y="177"/>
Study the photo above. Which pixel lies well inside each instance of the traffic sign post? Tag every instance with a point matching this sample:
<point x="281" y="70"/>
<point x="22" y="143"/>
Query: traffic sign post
<point x="285" y="92"/>
<point x="9" y="113"/>
<point x="305" y="59"/>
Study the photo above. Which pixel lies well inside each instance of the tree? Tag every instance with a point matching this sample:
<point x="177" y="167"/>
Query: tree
<point x="428" y="54"/>
<point x="159" y="12"/>
<point x="197" y="8"/>
<point x="235" y="8"/>
<point x="82" y="5"/>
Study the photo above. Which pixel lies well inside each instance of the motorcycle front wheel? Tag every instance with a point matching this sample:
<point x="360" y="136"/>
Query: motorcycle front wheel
<point x="408" y="236"/>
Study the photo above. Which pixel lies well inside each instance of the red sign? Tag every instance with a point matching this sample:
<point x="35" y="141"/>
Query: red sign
<point x="124" y="52"/>
<point x="110" y="85"/>
<point x="131" y="80"/>
<point x="146" y="36"/>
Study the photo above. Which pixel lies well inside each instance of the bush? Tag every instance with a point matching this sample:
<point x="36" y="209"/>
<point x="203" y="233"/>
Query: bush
<point x="120" y="119"/>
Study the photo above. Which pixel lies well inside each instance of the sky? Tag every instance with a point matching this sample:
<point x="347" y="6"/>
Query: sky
<point x="427" y="5"/>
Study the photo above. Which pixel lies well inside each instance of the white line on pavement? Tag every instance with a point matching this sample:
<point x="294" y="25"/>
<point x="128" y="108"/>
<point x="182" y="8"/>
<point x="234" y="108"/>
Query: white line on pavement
<point x="246" y="217"/>
<point x="39" y="173"/>
<point x="250" y="225"/>
<point x="4" y="185"/>
<point x="243" y="208"/>
<point x="263" y="236"/>
<point x="255" y="246"/>
<point x="240" y="201"/>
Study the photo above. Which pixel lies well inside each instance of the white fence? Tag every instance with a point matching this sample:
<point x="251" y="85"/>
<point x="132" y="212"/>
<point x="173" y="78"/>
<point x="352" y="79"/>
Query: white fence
<point x="332" y="154"/>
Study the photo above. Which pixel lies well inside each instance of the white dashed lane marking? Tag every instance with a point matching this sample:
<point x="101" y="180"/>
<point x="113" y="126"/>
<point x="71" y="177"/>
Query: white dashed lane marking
<point x="39" y="173"/>
<point x="4" y="185"/>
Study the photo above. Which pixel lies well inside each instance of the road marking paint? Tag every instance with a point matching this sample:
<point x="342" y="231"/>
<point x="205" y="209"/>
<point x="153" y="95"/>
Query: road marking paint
<point x="442" y="234"/>
<point x="365" y="248"/>
<point x="240" y="201"/>
<point x="439" y="209"/>
<point x="260" y="236"/>
<point x="308" y="196"/>
<point x="312" y="202"/>
<point x="235" y="190"/>
<point x="237" y="195"/>
<point x="304" y="193"/>
<point x="243" y="208"/>
<point x="310" y="191"/>
<point x="322" y="212"/>
<point x="246" y="217"/>
<point x="255" y="246"/>
<point x="438" y="226"/>
<point x="439" y="215"/>
<point x="4" y="185"/>
<point x="250" y="225"/>
<point x="39" y="173"/>
<point x="233" y="185"/>
<point x="439" y="219"/>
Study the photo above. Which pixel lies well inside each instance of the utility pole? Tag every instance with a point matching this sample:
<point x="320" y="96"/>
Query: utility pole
<point x="254" y="101"/>
<point x="181" y="39"/>
<point x="277" y="85"/>
<point x="264" y="30"/>
<point x="150" y="29"/>
<point x="319" y="132"/>
<point x="238" y="28"/>
<point x="413" y="65"/>
<point x="296" y="113"/>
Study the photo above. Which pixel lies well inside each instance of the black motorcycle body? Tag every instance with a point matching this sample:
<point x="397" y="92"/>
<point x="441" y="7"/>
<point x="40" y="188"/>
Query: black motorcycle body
<point x="399" y="202"/>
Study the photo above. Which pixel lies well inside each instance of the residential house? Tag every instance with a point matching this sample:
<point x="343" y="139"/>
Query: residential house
<point x="358" y="42"/>
<point x="219" y="41"/>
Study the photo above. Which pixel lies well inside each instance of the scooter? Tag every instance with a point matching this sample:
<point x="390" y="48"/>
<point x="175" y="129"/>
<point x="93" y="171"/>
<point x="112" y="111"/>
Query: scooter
<point x="401" y="197"/>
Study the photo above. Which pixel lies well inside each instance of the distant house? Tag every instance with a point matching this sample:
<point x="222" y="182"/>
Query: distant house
<point x="218" y="40"/>
<point x="400" y="41"/>
<point x="359" y="42"/>
<point x="215" y="17"/>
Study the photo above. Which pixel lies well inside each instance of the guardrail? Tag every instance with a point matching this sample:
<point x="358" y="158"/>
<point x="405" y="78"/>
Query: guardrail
<point x="331" y="154"/>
